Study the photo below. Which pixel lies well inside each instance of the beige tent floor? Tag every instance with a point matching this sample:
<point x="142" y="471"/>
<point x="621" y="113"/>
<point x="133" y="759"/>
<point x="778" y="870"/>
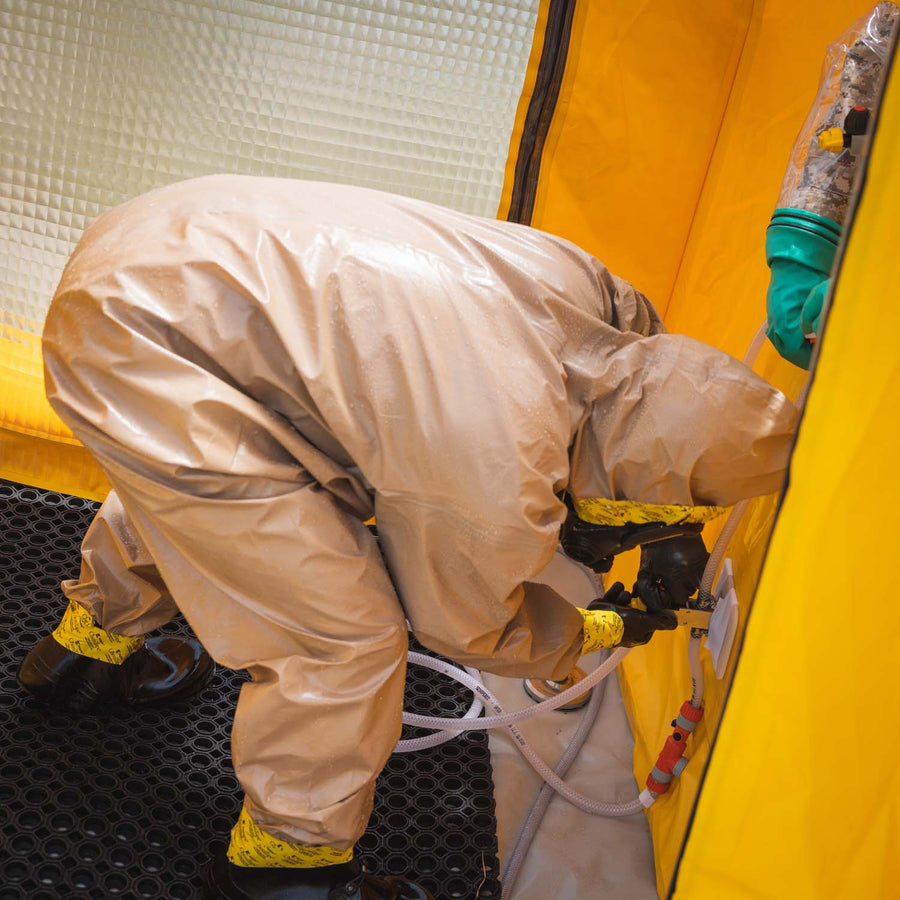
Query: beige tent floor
<point x="575" y="856"/>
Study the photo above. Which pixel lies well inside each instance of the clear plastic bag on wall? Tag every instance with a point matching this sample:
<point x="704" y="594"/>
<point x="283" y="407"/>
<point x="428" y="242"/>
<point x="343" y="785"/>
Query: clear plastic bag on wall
<point x="817" y="180"/>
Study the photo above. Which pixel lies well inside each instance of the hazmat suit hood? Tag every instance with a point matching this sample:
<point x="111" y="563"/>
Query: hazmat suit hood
<point x="674" y="431"/>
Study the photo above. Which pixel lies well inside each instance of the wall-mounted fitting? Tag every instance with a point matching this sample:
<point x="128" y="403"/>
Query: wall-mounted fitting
<point x="853" y="136"/>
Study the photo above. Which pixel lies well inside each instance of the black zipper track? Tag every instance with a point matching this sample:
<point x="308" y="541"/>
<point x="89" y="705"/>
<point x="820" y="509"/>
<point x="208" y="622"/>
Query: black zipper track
<point x="540" y="110"/>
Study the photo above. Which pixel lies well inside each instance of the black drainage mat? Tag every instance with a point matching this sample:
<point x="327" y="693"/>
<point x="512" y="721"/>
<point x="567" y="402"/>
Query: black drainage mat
<point x="130" y="805"/>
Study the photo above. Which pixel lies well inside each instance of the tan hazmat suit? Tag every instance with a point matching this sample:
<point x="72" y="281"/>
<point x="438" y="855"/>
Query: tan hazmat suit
<point x="262" y="365"/>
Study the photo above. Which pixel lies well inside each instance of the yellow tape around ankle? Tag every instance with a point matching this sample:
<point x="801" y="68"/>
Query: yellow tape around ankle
<point x="78" y="633"/>
<point x="252" y="847"/>
<point x="602" y="628"/>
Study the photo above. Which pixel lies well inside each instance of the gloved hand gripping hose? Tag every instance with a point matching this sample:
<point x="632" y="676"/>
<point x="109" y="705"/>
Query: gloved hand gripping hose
<point x="447" y="728"/>
<point x="670" y="571"/>
<point x="638" y="625"/>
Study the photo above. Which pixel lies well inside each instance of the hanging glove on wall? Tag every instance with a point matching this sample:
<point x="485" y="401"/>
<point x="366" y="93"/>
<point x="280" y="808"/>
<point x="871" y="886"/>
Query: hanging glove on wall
<point x="803" y="236"/>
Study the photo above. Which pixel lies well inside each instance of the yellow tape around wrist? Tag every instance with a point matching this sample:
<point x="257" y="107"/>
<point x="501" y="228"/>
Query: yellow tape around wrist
<point x="602" y="628"/>
<point x="254" y="848"/>
<point x="629" y="512"/>
<point x="78" y="633"/>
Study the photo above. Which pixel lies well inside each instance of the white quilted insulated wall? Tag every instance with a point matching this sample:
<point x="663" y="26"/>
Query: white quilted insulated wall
<point x="101" y="100"/>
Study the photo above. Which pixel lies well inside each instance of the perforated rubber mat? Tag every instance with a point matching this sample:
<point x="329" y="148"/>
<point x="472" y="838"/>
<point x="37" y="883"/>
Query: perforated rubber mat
<point x="130" y="805"/>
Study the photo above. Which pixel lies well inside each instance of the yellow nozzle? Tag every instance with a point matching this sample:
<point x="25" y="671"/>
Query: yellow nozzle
<point x="832" y="140"/>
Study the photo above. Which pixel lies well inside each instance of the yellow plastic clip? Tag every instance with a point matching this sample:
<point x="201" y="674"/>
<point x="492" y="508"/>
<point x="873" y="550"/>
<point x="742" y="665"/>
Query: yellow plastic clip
<point x="695" y="618"/>
<point x="832" y="140"/>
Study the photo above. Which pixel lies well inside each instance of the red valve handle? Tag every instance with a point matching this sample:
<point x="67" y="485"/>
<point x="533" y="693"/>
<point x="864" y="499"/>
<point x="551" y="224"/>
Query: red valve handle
<point x="674" y="748"/>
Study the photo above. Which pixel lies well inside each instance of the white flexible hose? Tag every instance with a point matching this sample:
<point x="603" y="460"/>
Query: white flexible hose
<point x="412" y="745"/>
<point x="545" y="795"/>
<point x="503" y="719"/>
<point x="756" y="344"/>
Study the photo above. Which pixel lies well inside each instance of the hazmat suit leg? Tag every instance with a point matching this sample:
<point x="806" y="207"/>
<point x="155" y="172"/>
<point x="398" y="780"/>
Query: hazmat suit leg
<point x="271" y="571"/>
<point x="97" y="656"/>
<point x="119" y="583"/>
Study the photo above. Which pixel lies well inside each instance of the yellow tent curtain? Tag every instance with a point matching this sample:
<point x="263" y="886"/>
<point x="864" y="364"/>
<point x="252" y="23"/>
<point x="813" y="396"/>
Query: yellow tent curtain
<point x="665" y="158"/>
<point x="802" y="798"/>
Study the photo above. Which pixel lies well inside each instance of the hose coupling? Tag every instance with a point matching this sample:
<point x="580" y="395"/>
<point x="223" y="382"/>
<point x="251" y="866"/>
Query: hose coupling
<point x="670" y="762"/>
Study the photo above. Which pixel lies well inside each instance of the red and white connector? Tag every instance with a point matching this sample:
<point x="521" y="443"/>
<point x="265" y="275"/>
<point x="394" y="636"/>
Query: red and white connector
<point x="671" y="761"/>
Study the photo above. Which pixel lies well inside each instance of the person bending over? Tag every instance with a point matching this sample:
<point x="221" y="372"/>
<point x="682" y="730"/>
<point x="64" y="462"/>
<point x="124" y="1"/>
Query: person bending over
<point x="261" y="366"/>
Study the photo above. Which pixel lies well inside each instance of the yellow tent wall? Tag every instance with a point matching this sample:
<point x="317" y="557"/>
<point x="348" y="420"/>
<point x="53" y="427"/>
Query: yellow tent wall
<point x="666" y="161"/>
<point x="639" y="110"/>
<point x="802" y="797"/>
<point x="36" y="448"/>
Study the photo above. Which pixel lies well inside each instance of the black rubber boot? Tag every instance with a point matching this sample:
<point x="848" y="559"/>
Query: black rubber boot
<point x="165" y="669"/>
<point x="348" y="881"/>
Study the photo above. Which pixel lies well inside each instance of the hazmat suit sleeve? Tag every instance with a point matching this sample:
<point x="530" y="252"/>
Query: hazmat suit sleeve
<point x="470" y="514"/>
<point x="488" y="614"/>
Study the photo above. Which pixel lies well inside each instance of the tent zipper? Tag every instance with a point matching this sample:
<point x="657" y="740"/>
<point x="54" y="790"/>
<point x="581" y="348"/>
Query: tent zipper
<point x="540" y="109"/>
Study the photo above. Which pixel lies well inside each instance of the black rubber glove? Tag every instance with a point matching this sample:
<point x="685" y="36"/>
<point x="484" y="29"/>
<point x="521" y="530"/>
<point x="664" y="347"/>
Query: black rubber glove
<point x="639" y="625"/>
<point x="670" y="571"/>
<point x="595" y="545"/>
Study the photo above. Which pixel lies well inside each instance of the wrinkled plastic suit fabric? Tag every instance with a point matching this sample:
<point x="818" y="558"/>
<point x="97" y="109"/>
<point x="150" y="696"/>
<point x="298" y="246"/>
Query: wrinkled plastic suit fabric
<point x="261" y="365"/>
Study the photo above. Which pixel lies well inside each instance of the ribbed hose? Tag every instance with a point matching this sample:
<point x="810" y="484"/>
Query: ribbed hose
<point x="504" y="719"/>
<point x="696" y="672"/>
<point x="704" y="596"/>
<point x="545" y="795"/>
